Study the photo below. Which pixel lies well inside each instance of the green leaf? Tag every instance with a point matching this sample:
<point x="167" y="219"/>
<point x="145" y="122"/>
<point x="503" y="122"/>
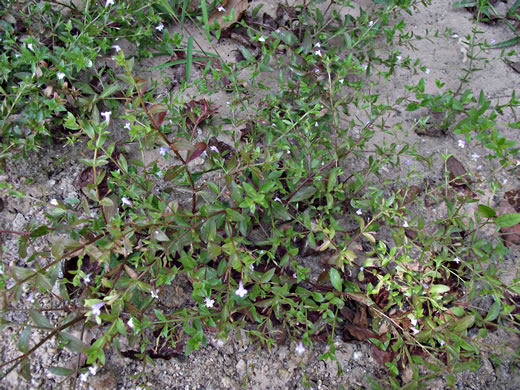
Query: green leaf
<point x="493" y="312"/>
<point x="288" y="38"/>
<point x="486" y="211"/>
<point x="40" y="231"/>
<point x="458" y="311"/>
<point x="40" y="320"/>
<point x="304" y="193"/>
<point x="335" y="279"/>
<point x="72" y="343"/>
<point x="266" y="277"/>
<point x="61" y="371"/>
<point x="189" y="58"/>
<point x="106" y="201"/>
<point x="507" y="220"/>
<point x="43" y="282"/>
<point x="463" y="324"/>
<point x="247" y="54"/>
<point x="23" y="340"/>
<point x="438" y="289"/>
<point x="111" y="89"/>
<point x="509" y="42"/>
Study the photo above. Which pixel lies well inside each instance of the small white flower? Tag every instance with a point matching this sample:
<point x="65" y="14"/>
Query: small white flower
<point x="455" y="35"/>
<point x="364" y="66"/>
<point x="317" y="44"/>
<point x="17" y="55"/>
<point x="504" y="181"/>
<point x="413" y="320"/>
<point x="315" y="124"/>
<point x="277" y="199"/>
<point x="53" y="202"/>
<point x="442" y="342"/>
<point x="493" y="41"/>
<point x="159" y="173"/>
<point x="475" y="156"/>
<point x="427" y="71"/>
<point x="93" y="370"/>
<point x="60" y="75"/>
<point x="209" y="302"/>
<point x="398" y="58"/>
<point x="86" y="279"/>
<point x="456" y="260"/>
<point x="288" y="152"/>
<point x="252" y="267"/>
<point x="414" y="330"/>
<point x="213" y="148"/>
<point x="109" y="3"/>
<point x="361" y="269"/>
<point x="30" y="298"/>
<point x="371" y="23"/>
<point x="96" y="310"/>
<point x="106" y="115"/>
<point x="128" y="126"/>
<point x="126" y="201"/>
<point x="83" y="377"/>
<point x="261" y="39"/>
<point x="479" y="167"/>
<point x="159" y="27"/>
<point x="359" y="212"/>
<point x="130" y="323"/>
<point x="89" y="63"/>
<point x="154" y="294"/>
<point x="300" y="349"/>
<point x="241" y="291"/>
<point x="318" y="52"/>
<point x="405" y="224"/>
<point x="164" y="150"/>
<point x="117" y="48"/>
<point x="341" y="81"/>
<point x="30" y="46"/>
<point x="461" y="143"/>
<point x="221" y="9"/>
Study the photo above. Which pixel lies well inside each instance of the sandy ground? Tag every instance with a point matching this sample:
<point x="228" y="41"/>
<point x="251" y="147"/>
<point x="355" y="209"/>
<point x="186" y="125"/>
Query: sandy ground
<point x="237" y="363"/>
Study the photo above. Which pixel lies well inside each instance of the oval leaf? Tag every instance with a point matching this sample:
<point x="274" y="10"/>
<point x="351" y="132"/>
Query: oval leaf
<point x="304" y="193"/>
<point x="335" y="279"/>
<point x="508" y="220"/>
<point x="493" y="312"/>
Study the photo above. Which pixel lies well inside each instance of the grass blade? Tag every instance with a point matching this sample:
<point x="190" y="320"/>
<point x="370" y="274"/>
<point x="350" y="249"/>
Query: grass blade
<point x="509" y="42"/>
<point x="189" y="58"/>
<point x="205" y="18"/>
<point x="183" y="14"/>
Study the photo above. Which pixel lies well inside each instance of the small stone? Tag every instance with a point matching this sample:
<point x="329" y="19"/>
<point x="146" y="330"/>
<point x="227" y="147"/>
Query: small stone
<point x="241" y="366"/>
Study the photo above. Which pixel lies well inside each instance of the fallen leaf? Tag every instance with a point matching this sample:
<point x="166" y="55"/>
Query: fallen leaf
<point x="239" y="7"/>
<point x="458" y="174"/>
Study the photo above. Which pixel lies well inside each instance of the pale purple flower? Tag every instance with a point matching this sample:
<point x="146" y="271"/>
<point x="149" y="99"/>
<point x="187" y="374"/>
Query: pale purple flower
<point x="300" y="349"/>
<point x="318" y="52"/>
<point x="128" y="126"/>
<point x="154" y="294"/>
<point x="159" y="27"/>
<point x="96" y="310"/>
<point x="241" y="291"/>
<point x="413" y="320"/>
<point x="86" y="279"/>
<point x="359" y="212"/>
<point x="93" y="370"/>
<point x="109" y="3"/>
<point x="209" y="302"/>
<point x="456" y="260"/>
<point x="106" y="115"/>
<point x="442" y="342"/>
<point x="30" y="46"/>
<point x="371" y="23"/>
<point x="60" y="75"/>
<point x="461" y="143"/>
<point x="405" y="224"/>
<point x="213" y="148"/>
<point x="83" y="377"/>
<point x="277" y="199"/>
<point x="126" y="201"/>
<point x="89" y="63"/>
<point x="317" y="44"/>
<point x="261" y="39"/>
<point x="54" y="202"/>
<point x="30" y="298"/>
<point x="414" y="330"/>
<point x="398" y="58"/>
<point x="164" y="150"/>
<point x="221" y="9"/>
<point x="117" y="48"/>
<point x="130" y="323"/>
<point x="475" y="156"/>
